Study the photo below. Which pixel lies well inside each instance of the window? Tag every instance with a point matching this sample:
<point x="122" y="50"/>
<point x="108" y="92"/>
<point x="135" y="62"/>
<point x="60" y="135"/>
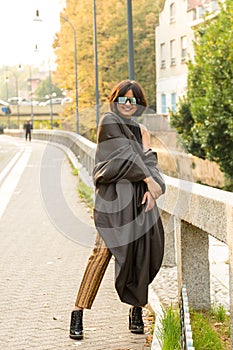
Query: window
<point x="194" y="14"/>
<point x="163" y="104"/>
<point x="214" y="5"/>
<point x="183" y="47"/>
<point x="172" y="12"/>
<point x="172" y="53"/>
<point x="202" y="11"/>
<point x="173" y="102"/>
<point x="162" y="56"/>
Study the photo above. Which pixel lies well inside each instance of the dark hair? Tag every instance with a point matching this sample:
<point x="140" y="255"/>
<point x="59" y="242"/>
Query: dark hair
<point x="121" y="89"/>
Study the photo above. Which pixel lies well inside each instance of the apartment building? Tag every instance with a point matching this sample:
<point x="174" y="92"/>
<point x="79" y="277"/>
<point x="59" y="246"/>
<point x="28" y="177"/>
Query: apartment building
<point x="174" y="47"/>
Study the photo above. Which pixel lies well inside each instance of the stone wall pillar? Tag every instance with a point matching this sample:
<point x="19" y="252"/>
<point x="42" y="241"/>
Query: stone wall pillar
<point x="169" y="259"/>
<point x="193" y="264"/>
<point x="229" y="216"/>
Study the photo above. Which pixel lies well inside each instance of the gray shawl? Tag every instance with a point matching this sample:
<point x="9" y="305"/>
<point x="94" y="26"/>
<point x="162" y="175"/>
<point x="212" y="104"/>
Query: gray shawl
<point x="135" y="238"/>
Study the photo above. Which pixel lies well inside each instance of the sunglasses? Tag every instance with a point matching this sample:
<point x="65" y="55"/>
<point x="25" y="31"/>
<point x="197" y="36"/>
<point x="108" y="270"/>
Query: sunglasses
<point x="123" y="100"/>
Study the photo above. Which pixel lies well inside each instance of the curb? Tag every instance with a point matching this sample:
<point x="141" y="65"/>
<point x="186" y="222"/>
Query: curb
<point x="155" y="304"/>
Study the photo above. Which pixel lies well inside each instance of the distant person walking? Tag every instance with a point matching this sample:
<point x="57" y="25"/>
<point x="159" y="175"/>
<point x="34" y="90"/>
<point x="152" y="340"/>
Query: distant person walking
<point x="8" y="110"/>
<point x="28" y="128"/>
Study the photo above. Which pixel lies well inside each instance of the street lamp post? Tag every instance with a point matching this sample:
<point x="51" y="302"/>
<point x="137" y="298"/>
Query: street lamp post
<point x="96" y="67"/>
<point x="31" y="93"/>
<point x="50" y="95"/>
<point x="130" y="40"/>
<point x="76" y="70"/>
<point x="38" y="19"/>
<point x="50" y="100"/>
<point x="8" y="119"/>
<point x="7" y="81"/>
<point x="17" y="93"/>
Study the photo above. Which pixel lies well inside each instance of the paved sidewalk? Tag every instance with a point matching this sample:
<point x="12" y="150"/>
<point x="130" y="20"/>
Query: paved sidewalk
<point x="41" y="268"/>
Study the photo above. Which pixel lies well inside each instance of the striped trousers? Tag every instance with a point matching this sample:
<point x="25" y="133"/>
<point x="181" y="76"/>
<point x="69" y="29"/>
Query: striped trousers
<point x="94" y="273"/>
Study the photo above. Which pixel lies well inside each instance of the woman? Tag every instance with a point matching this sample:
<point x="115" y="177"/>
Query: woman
<point x="128" y="224"/>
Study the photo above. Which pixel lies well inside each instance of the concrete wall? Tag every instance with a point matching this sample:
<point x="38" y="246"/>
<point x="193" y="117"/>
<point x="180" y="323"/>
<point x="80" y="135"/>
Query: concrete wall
<point x="174" y="160"/>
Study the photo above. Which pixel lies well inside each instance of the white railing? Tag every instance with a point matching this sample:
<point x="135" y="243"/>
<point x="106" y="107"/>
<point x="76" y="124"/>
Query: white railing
<point x="190" y="212"/>
<point x="186" y="330"/>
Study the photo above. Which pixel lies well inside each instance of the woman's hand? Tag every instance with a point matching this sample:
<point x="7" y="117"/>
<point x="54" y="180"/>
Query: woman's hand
<point x="153" y="187"/>
<point x="148" y="199"/>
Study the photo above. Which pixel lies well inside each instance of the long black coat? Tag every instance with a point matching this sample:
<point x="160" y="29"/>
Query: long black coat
<point x="135" y="237"/>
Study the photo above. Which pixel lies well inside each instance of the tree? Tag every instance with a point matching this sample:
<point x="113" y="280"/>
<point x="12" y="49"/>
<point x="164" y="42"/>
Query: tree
<point x="183" y="122"/>
<point x="210" y="91"/>
<point x="112" y="48"/>
<point x="13" y="73"/>
<point x="43" y="89"/>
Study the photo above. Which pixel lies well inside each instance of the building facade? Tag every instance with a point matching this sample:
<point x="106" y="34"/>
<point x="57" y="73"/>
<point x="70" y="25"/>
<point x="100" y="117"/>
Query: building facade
<point x="174" y="47"/>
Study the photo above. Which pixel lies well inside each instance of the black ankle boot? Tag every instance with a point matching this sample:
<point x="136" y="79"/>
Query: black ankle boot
<point x="76" y="324"/>
<point x="136" y="324"/>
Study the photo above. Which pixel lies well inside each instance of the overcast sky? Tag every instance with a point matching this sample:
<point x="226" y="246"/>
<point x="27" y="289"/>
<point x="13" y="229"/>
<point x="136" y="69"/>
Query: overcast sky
<point x="19" y="33"/>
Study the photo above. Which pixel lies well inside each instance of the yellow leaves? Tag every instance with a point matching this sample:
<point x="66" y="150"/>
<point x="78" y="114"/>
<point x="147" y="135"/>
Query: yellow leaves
<point x="112" y="46"/>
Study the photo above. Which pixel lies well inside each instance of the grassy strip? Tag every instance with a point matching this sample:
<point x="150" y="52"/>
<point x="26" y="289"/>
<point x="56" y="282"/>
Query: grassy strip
<point x="85" y="192"/>
<point x="211" y="329"/>
<point x="168" y="332"/>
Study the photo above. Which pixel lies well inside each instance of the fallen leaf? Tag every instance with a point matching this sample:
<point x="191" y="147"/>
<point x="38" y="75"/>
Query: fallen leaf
<point x="56" y="318"/>
<point x="218" y="324"/>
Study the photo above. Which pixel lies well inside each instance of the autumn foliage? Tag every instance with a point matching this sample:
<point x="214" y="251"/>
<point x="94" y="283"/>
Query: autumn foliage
<point x="112" y="48"/>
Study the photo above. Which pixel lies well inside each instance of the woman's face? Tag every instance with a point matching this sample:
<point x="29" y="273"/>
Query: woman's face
<point x="127" y="109"/>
